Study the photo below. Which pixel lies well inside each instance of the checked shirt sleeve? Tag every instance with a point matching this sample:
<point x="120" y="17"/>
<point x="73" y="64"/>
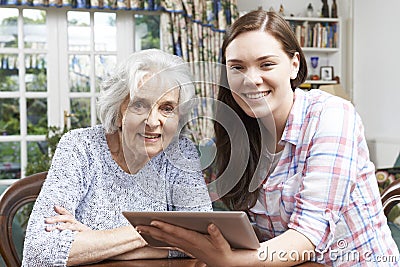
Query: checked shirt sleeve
<point x="329" y="173"/>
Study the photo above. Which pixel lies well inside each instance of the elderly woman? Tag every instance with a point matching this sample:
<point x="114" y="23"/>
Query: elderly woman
<point x="135" y="160"/>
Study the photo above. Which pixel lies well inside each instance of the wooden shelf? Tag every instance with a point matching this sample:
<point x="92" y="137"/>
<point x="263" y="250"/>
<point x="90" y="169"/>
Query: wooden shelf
<point x="314" y="19"/>
<point x="319" y="82"/>
<point x="322" y="49"/>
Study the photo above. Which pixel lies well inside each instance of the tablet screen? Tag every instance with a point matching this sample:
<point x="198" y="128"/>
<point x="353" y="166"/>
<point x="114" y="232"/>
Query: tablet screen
<point x="234" y="225"/>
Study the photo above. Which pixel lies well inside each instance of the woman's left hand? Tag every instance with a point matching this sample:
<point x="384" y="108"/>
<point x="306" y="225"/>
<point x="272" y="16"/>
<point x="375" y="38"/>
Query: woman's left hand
<point x="65" y="220"/>
<point x="212" y="249"/>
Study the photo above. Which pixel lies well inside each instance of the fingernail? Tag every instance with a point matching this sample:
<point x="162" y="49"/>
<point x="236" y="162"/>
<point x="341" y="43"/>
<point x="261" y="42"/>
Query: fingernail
<point x="153" y="223"/>
<point x="48" y="220"/>
<point x="212" y="227"/>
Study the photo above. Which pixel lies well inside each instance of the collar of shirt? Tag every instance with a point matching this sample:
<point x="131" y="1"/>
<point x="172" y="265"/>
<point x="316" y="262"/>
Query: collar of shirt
<point x="296" y="118"/>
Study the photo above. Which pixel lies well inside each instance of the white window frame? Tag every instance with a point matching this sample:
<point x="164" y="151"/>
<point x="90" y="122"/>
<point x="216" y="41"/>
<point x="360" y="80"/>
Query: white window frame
<point x="58" y="95"/>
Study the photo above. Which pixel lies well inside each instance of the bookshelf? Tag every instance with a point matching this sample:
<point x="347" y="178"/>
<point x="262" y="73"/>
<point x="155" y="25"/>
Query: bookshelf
<point x="319" y="37"/>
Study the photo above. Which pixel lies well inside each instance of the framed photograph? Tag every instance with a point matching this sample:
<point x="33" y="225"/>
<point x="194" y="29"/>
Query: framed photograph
<point x="326" y="73"/>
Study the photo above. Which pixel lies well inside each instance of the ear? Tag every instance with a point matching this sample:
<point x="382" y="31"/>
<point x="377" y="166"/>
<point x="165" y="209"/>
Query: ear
<point x="295" y="66"/>
<point x="121" y="112"/>
<point x="119" y="119"/>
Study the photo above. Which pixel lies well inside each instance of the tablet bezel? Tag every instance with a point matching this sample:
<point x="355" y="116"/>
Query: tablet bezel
<point x="234" y="225"/>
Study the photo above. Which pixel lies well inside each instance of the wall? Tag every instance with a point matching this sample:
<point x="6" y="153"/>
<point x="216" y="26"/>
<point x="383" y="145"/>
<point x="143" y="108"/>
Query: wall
<point x="370" y="66"/>
<point x="376" y="75"/>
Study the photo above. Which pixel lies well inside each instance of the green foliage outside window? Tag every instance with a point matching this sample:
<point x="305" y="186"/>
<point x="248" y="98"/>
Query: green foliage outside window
<point x="152" y="39"/>
<point x="10" y="155"/>
<point x="8" y="82"/>
<point x="43" y="156"/>
<point x="9" y="116"/>
<point x="80" y="107"/>
<point x="37" y="116"/>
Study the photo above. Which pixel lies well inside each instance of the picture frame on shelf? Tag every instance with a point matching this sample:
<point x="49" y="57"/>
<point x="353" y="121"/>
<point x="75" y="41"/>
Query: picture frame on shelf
<point x="326" y="73"/>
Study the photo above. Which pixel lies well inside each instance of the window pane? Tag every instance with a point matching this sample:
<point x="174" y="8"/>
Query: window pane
<point x="147" y="32"/>
<point x="9" y="72"/>
<point x="38" y="159"/>
<point x="36" y="150"/>
<point x="105" y="31"/>
<point x="35" y="32"/>
<point x="37" y="115"/>
<point x="79" y="73"/>
<point x="104" y="67"/>
<point x="78" y="30"/>
<point x="10" y="166"/>
<point x="36" y="78"/>
<point x="81" y="108"/>
<point x="9" y="116"/>
<point x="21" y="219"/>
<point x="8" y="27"/>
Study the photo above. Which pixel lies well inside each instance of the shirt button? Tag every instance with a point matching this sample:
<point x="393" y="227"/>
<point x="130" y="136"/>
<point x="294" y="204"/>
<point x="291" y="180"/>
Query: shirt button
<point x="264" y="186"/>
<point x="327" y="214"/>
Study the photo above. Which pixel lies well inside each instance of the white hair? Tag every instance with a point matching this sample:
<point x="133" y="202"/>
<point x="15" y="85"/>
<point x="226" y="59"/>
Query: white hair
<point x="169" y="70"/>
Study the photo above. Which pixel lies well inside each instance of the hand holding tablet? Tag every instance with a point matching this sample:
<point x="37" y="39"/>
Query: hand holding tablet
<point x="234" y="225"/>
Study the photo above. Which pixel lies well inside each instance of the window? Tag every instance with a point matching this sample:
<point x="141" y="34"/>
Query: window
<point x="92" y="55"/>
<point x="52" y="62"/>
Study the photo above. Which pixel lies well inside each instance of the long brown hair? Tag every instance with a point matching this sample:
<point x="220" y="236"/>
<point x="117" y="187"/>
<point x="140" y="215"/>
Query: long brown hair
<point x="240" y="197"/>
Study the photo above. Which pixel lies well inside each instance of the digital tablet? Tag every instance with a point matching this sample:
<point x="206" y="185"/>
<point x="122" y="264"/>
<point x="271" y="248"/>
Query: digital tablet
<point x="234" y="225"/>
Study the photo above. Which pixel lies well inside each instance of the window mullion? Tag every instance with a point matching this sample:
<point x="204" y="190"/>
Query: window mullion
<point x="63" y="61"/>
<point x="125" y="35"/>
<point x="22" y="88"/>
<point x="54" y="84"/>
<point x="92" y="72"/>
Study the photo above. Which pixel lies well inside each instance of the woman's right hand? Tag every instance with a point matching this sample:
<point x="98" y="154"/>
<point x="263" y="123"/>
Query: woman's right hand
<point x="212" y="249"/>
<point x="64" y="220"/>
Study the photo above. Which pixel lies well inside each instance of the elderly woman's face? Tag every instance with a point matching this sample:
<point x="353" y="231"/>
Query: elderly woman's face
<point x="150" y="120"/>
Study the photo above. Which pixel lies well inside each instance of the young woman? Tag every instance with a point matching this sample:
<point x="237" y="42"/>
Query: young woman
<point x="317" y="197"/>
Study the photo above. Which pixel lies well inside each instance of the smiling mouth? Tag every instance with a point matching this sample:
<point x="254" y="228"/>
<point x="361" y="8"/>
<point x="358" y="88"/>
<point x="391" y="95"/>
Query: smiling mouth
<point x="150" y="136"/>
<point x="256" y="95"/>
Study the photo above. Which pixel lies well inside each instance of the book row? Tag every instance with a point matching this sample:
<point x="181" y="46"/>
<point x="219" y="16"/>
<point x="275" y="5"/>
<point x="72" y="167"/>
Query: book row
<point x="316" y="35"/>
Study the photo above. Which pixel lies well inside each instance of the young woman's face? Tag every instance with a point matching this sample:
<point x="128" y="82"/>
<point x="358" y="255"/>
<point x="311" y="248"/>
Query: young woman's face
<point x="150" y="120"/>
<point x="259" y="74"/>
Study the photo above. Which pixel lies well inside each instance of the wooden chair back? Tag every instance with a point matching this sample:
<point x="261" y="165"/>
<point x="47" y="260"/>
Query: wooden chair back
<point x="13" y="198"/>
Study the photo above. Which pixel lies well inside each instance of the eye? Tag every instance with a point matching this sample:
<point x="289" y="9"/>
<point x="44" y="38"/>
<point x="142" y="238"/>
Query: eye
<point x="267" y="64"/>
<point x="235" y="67"/>
<point x="138" y="107"/>
<point x="167" y="110"/>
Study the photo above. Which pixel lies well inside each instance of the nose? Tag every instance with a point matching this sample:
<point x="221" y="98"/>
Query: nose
<point x="153" y="120"/>
<point x="253" y="76"/>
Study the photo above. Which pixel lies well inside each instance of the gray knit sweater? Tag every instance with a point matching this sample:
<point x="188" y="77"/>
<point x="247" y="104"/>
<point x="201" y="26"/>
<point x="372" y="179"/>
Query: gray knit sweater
<point x="85" y="180"/>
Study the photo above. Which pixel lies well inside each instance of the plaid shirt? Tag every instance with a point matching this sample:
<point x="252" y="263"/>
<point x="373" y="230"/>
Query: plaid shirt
<point x="324" y="186"/>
